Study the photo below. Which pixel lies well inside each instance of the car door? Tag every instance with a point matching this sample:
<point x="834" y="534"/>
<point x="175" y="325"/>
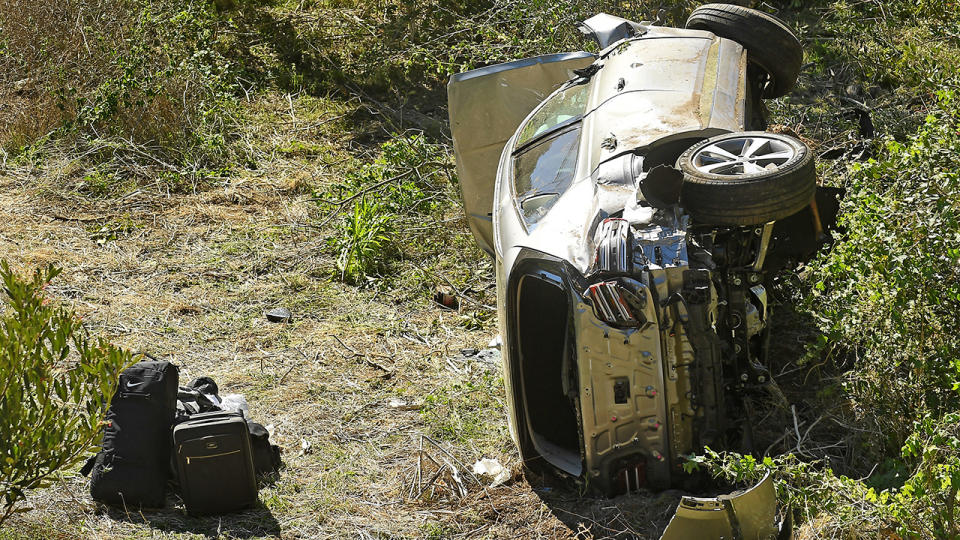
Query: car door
<point x="486" y="106"/>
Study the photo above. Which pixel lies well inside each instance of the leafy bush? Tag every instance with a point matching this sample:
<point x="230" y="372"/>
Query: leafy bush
<point x="889" y="291"/>
<point x="935" y="446"/>
<point x="409" y="48"/>
<point x="404" y="186"/>
<point x="886" y="298"/>
<point x="57" y="383"/>
<point x="835" y="506"/>
<point x="363" y="238"/>
<point x="148" y="84"/>
<point x="890" y="44"/>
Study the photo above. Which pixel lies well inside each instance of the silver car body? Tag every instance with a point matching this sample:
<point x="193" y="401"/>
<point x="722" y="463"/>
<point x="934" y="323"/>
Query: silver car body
<point x="665" y="85"/>
<point x="606" y="404"/>
<point x="481" y="131"/>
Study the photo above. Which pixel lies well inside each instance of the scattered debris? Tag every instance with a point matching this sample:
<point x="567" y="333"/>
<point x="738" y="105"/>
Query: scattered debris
<point x="492" y="469"/>
<point x="489" y="359"/>
<point x="484" y="360"/>
<point x="861" y="113"/>
<point x="279" y="315"/>
<point x="305" y="447"/>
<point x="24" y="86"/>
<point x="365" y="358"/>
<point x="396" y="403"/>
<point x="437" y="477"/>
<point x="446" y="298"/>
<point x="235" y="403"/>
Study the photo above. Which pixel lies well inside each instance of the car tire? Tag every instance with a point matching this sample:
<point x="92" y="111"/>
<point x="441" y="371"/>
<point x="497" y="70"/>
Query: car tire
<point x="746" y="178"/>
<point x="770" y="44"/>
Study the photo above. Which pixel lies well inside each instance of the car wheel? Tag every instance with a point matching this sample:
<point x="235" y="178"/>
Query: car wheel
<point x="769" y="42"/>
<point x="746" y="178"/>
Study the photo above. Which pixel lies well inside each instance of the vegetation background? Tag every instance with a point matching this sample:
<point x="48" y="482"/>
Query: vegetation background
<point x="192" y="163"/>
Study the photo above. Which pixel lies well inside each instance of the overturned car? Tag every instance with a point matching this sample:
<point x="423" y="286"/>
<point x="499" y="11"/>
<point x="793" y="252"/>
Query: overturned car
<point x="635" y="208"/>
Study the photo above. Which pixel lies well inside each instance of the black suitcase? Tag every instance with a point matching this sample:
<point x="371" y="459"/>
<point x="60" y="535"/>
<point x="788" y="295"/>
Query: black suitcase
<point x="215" y="463"/>
<point x="131" y="469"/>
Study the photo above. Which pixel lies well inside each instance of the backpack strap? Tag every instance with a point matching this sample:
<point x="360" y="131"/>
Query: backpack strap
<point x="88" y="466"/>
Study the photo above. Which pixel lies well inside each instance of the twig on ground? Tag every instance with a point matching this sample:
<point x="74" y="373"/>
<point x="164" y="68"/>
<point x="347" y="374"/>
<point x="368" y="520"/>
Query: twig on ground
<point x="796" y="427"/>
<point x="341" y="203"/>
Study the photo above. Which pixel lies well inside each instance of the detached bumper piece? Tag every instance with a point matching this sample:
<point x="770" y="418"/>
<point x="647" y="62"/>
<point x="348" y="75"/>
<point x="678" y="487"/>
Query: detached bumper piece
<point x="745" y="515"/>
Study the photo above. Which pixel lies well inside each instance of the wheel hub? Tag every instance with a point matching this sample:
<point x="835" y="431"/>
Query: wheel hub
<point x="740" y="156"/>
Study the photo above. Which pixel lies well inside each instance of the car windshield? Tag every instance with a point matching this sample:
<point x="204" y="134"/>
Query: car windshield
<point x="563" y="108"/>
<point x="543" y="171"/>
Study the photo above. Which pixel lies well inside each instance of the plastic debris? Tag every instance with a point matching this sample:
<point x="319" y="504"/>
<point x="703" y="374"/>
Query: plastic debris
<point x="474" y="360"/>
<point x="489" y="359"/>
<point x="280" y="314"/>
<point x="235" y="403"/>
<point x="305" y="447"/>
<point x="395" y="403"/>
<point x="493" y="469"/>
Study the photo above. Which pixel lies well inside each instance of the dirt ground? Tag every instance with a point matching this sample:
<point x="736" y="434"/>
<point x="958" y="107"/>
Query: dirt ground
<point x="351" y="389"/>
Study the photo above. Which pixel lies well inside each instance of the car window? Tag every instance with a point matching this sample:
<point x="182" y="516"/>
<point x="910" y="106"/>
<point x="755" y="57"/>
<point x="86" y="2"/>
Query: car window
<point x="543" y="171"/>
<point x="564" y="107"/>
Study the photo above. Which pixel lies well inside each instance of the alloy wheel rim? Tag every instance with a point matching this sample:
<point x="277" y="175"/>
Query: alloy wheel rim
<point x="740" y="156"/>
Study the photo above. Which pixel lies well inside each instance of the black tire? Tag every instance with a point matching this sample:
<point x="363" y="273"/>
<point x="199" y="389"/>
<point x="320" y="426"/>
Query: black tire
<point x="770" y="44"/>
<point x="741" y="198"/>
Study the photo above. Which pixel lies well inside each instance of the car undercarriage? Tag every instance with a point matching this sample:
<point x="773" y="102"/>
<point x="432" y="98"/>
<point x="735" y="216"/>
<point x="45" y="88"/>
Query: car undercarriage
<point x="637" y="213"/>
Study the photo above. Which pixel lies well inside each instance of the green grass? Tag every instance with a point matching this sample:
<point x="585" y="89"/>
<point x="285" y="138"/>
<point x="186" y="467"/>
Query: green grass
<point x="225" y="204"/>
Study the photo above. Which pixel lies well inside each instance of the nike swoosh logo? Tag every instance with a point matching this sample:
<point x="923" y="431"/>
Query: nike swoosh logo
<point x="132" y="384"/>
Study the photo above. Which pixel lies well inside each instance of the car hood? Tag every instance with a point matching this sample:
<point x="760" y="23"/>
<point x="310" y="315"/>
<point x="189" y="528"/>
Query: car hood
<point x="486" y="106"/>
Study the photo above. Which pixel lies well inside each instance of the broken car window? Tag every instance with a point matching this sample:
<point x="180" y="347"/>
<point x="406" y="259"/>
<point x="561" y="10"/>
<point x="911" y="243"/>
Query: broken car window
<point x="564" y="107"/>
<point x="542" y="172"/>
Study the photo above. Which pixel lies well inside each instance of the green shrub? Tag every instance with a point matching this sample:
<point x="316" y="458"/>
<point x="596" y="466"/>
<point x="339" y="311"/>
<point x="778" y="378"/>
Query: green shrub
<point x="890" y="44"/>
<point x="364" y="236"/>
<point x="935" y="446"/>
<point x="144" y="82"/>
<point x="56" y="385"/>
<point x="886" y="298"/>
<point x="888" y="293"/>
<point x="404" y="187"/>
<point x="835" y="506"/>
<point x="405" y="46"/>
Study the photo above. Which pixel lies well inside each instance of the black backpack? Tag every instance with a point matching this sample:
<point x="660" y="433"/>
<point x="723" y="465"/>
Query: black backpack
<point x="131" y="469"/>
<point x="266" y="456"/>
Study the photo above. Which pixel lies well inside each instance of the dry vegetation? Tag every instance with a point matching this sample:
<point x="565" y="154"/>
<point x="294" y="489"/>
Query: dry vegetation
<point x="188" y="277"/>
<point x="190" y="175"/>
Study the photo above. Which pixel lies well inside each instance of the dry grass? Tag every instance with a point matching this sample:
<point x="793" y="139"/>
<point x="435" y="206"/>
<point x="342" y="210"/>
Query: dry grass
<point x="187" y="277"/>
<point x="61" y="47"/>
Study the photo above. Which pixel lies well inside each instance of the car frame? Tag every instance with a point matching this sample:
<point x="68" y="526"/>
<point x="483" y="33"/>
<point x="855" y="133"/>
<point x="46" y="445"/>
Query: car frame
<point x="635" y="209"/>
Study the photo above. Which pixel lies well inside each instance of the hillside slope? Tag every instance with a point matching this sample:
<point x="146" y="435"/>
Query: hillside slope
<point x="192" y="164"/>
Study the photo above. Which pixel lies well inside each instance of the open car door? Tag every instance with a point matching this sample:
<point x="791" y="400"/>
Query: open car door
<point x="486" y="107"/>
